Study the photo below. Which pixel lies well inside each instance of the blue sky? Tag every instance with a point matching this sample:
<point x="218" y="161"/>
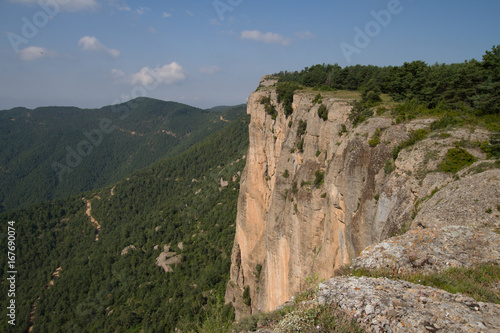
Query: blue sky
<point x="91" y="53"/>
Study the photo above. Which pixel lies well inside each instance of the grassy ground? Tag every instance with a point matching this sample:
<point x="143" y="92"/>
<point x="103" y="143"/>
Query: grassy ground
<point x="481" y="283"/>
<point x="341" y="94"/>
<point x="301" y="318"/>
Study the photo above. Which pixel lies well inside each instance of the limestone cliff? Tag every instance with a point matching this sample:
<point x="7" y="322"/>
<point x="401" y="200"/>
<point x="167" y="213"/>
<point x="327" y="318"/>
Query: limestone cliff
<point x="315" y="193"/>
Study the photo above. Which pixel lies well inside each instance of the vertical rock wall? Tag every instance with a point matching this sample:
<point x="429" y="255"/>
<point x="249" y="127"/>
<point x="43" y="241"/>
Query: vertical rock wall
<point x="290" y="225"/>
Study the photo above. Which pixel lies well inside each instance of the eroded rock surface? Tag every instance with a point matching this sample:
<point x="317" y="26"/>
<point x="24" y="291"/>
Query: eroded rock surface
<point x="433" y="250"/>
<point x="383" y="305"/>
<point x="167" y="258"/>
<point x="470" y="201"/>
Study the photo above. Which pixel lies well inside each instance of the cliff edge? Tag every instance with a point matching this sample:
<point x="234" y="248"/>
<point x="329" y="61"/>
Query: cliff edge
<point x="315" y="192"/>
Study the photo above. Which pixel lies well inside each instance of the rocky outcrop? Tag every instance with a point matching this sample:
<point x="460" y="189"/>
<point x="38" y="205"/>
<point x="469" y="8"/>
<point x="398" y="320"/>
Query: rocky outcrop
<point x="315" y="193"/>
<point x="127" y="249"/>
<point x="432" y="250"/>
<point x="383" y="305"/>
<point x="167" y="258"/>
<point x="471" y="201"/>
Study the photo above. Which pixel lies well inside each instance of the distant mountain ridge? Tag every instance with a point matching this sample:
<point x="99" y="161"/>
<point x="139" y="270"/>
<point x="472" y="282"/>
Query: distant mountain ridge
<point x="53" y="152"/>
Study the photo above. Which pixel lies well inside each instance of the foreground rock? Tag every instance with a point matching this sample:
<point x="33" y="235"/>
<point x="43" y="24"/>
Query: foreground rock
<point x="433" y="250"/>
<point x="383" y="305"/>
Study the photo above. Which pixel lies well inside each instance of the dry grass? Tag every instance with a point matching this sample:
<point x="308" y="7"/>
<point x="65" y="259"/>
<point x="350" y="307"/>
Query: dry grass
<point x="481" y="283"/>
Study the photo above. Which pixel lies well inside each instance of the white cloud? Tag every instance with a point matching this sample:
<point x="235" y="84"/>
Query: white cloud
<point x="305" y="35"/>
<point x="268" y="37"/>
<point x="35" y="52"/>
<point x="71" y="5"/>
<point x="215" y="22"/>
<point x="209" y="70"/>
<point x="165" y="15"/>
<point x="152" y="30"/>
<point x="119" y="75"/>
<point x="141" y="10"/>
<point x="120" y="5"/>
<point x="90" y="43"/>
<point x="168" y="74"/>
<point x="123" y="7"/>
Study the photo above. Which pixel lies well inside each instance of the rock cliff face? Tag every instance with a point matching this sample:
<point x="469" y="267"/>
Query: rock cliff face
<point x="314" y="194"/>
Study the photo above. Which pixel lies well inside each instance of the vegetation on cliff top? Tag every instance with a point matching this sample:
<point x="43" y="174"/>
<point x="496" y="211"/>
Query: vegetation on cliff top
<point x="475" y="84"/>
<point x="462" y="93"/>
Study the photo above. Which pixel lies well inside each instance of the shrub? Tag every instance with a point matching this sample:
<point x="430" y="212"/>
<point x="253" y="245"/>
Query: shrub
<point x="375" y="140"/>
<point x="359" y="113"/>
<point x="265" y="100"/>
<point x="268" y="106"/>
<point x="343" y="129"/>
<point x="415" y="136"/>
<point x="389" y="167"/>
<point x="456" y="159"/>
<point x="300" y="145"/>
<point x="319" y="318"/>
<point x="445" y="122"/>
<point x="219" y="320"/>
<point x="444" y="135"/>
<point x="246" y="296"/>
<point x="323" y="112"/>
<point x="409" y="110"/>
<point x="320" y="178"/>
<point x="285" y="91"/>
<point x="371" y="98"/>
<point x="381" y="110"/>
<point x="492" y="149"/>
<point x="296" y="321"/>
<point x="318" y="99"/>
<point x="305" y="183"/>
<point x="301" y="130"/>
<point x="286" y="174"/>
<point x="258" y="269"/>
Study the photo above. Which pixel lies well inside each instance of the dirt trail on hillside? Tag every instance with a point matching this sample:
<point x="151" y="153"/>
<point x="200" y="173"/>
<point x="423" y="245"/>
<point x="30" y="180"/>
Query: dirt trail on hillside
<point x="35" y="303"/>
<point x="94" y="221"/>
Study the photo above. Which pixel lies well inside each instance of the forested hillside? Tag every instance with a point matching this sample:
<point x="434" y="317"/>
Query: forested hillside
<point x="54" y="152"/>
<point x="100" y="249"/>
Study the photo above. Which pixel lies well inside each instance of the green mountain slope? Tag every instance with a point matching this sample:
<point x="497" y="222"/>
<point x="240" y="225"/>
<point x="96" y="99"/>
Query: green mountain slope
<point x="182" y="201"/>
<point x="54" y="152"/>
